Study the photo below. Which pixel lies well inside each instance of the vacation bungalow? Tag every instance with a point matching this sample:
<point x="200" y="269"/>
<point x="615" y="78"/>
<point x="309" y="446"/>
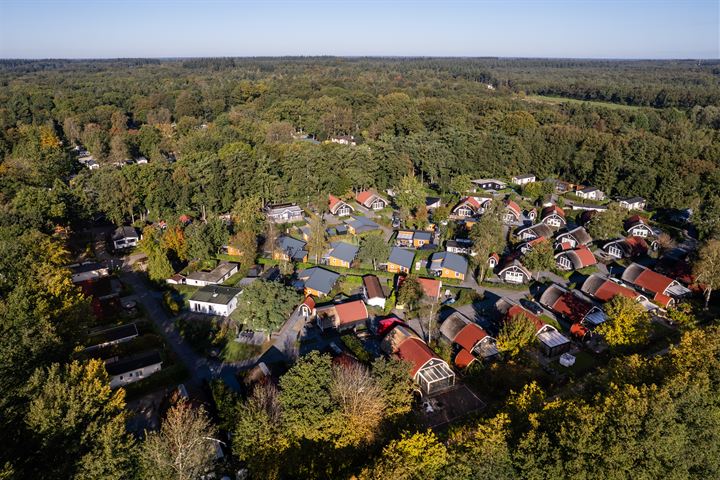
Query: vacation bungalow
<point x="661" y="289"/>
<point x="604" y="289"/>
<point x="125" y="237"/>
<point x="470" y="207"/>
<point x="341" y="316"/>
<point x="468" y="337"/>
<point x="373" y="292"/>
<point x="590" y="193"/>
<point x="431" y="203"/>
<point x="289" y="249"/>
<point x="132" y="369"/>
<point x="570" y="306"/>
<point x="512" y="215"/>
<point x="539" y="230"/>
<point x="573" y="238"/>
<point x="576" y="259"/>
<point x="522" y="179"/>
<point x="637" y="226"/>
<point x="338" y="207"/>
<point x="626" y="247"/>
<point x="84" y="272"/>
<point x="370" y="199"/>
<point x="316" y="281"/>
<point x="284" y="213"/>
<point x="632" y="203"/>
<point x="489" y="184"/>
<point x="448" y="265"/>
<point x="461" y="246"/>
<point x="219" y="274"/>
<point x="553" y="216"/>
<point x="215" y="300"/>
<point x="102" y="337"/>
<point x="360" y="225"/>
<point x="514" y="272"/>
<point x="431" y="288"/>
<point x="428" y="370"/>
<point x="341" y="254"/>
<point x="413" y="238"/>
<point x="400" y="260"/>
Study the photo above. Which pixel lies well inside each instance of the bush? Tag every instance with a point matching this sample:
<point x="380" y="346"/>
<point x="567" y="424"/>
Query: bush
<point x="467" y="296"/>
<point x="356" y="347"/>
<point x="201" y="334"/>
<point x="172" y="305"/>
<point x="235" y="351"/>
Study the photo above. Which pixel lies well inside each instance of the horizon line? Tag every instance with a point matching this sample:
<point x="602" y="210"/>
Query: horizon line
<point x="329" y="56"/>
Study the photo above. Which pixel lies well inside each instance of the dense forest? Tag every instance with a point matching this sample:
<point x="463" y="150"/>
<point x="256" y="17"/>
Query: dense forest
<point x="219" y="131"/>
<point x="231" y="126"/>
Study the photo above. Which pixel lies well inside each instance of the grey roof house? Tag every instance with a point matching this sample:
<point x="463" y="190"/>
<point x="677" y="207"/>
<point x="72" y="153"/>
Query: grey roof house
<point x="359" y="225"/>
<point x="291" y="248"/>
<point x="215" y="300"/>
<point x="401" y="258"/>
<point x="442" y="262"/>
<point x="342" y="254"/>
<point x="316" y="281"/>
<point x="125" y="237"/>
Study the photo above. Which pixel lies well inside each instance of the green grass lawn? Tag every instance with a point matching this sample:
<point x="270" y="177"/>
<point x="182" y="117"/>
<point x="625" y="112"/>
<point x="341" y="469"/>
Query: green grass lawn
<point x="234" y="351"/>
<point x="551" y="321"/>
<point x="560" y="100"/>
<point x="584" y="362"/>
<point x="230" y="282"/>
<point x="185" y="291"/>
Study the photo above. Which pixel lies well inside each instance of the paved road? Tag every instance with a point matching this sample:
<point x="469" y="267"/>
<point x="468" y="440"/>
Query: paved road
<point x="284" y="347"/>
<point x="199" y="367"/>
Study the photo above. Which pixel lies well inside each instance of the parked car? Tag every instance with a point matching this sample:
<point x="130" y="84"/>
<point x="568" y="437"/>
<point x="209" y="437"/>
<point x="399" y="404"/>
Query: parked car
<point x="395" y="221"/>
<point x="532" y="307"/>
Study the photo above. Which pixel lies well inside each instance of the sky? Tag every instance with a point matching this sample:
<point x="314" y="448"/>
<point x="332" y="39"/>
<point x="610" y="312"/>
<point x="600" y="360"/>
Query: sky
<point x="468" y="28"/>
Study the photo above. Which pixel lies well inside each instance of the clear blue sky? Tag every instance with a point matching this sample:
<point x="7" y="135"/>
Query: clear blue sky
<point x="515" y="28"/>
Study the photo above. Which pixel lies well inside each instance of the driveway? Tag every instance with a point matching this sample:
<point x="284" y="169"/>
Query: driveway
<point x="151" y="301"/>
<point x="284" y="348"/>
<point x="199" y="367"/>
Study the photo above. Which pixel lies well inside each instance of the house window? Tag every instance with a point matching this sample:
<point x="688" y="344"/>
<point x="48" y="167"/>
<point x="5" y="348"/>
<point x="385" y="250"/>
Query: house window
<point x="457" y="274"/>
<point x="514" y="277"/>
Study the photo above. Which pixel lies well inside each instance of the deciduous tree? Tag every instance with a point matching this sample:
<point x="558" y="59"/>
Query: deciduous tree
<point x="410" y="293"/>
<point x="516" y="334"/>
<point x="78" y="423"/>
<point x="608" y="224"/>
<point x="707" y="268"/>
<point x="183" y="449"/>
<point x="627" y="324"/>
<point x="373" y="249"/>
<point x="540" y="257"/>
<point x="488" y="236"/>
<point x="412" y="457"/>
<point x="409" y="194"/>
<point x="265" y="305"/>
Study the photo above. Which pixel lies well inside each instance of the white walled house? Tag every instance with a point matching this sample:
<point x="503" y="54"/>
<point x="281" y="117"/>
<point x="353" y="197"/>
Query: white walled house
<point x="132" y="369"/>
<point x="125" y="237"/>
<point x="590" y="193"/>
<point x="522" y="179"/>
<point x="284" y="213"/>
<point x="373" y="292"/>
<point x="632" y="203"/>
<point x="215" y="300"/>
<point x="218" y="275"/>
<point x="83" y="272"/>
